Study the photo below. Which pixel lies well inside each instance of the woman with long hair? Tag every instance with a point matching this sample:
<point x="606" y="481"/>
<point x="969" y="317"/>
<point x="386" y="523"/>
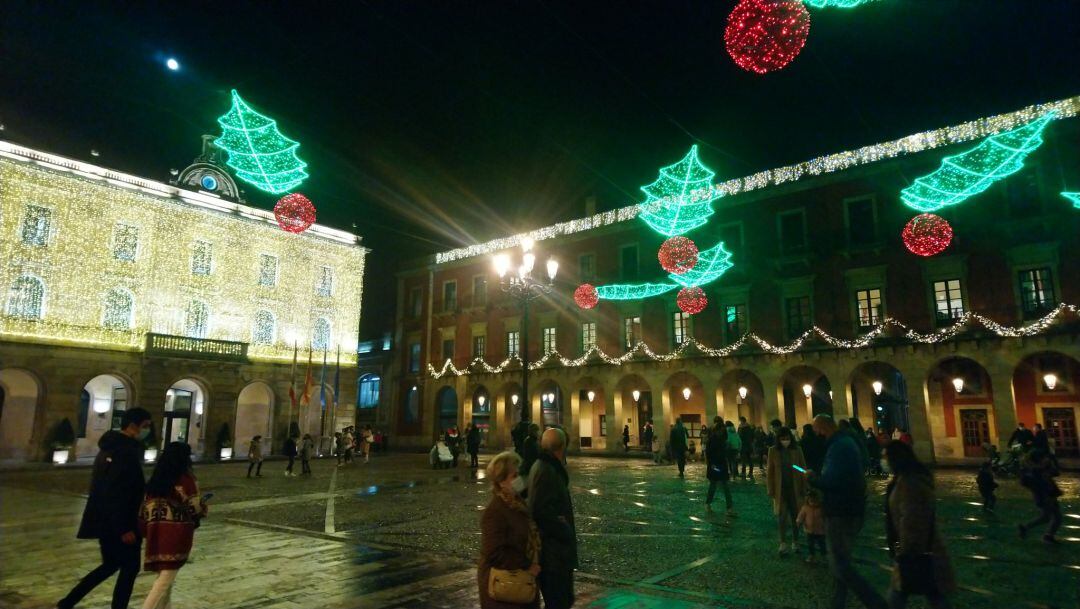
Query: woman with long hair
<point x="786" y="486"/>
<point x="169" y="516"/>
<point x="509" y="539"/>
<point x="920" y="561"/>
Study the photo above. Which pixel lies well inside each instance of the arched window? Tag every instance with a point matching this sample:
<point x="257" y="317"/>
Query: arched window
<point x="197" y="319"/>
<point x="26" y="298"/>
<point x="368" y="393"/>
<point x="320" y="335"/>
<point x="262" y="333"/>
<point x="118" y="310"/>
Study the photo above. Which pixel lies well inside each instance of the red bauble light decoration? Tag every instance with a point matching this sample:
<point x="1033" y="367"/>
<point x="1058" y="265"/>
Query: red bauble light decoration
<point x="678" y="255"/>
<point x="927" y="234"/>
<point x="766" y="35"/>
<point x="294" y="213"/>
<point x="586" y="296"/>
<point x="692" y="300"/>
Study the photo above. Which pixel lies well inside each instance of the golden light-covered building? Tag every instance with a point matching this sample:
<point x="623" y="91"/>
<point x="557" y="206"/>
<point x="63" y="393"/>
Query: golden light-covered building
<point x="108" y="274"/>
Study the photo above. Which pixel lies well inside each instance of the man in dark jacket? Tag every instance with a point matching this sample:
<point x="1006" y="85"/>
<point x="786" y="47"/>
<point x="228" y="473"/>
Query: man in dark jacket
<point x="472" y="445"/>
<point x="677" y="443"/>
<point x="517" y="435"/>
<point x="552" y="509"/>
<point x="112" y="509"/>
<point x="746" y="451"/>
<point x="1022" y="436"/>
<point x="647" y="436"/>
<point x="844" y="486"/>
<point x="530" y="449"/>
<point x="813" y="448"/>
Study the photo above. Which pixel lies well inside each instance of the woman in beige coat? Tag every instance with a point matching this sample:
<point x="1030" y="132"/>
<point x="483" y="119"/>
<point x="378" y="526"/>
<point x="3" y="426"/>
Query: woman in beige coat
<point x="786" y="486"/>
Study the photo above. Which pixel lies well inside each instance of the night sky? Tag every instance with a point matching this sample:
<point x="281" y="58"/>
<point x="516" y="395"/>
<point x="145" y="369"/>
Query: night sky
<point x="436" y="124"/>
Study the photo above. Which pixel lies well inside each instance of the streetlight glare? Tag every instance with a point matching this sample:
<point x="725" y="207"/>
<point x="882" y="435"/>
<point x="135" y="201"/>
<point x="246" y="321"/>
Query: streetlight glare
<point x="514" y="399"/>
<point x="480" y="400"/>
<point x="552" y="268"/>
<point x="528" y="261"/>
<point x="637" y="395"/>
<point x="877" y="387"/>
<point x="807" y="390"/>
<point x="592" y="395"/>
<point x="502" y="264"/>
<point x="1051" y="380"/>
<point x="172" y="64"/>
<point x="527" y="244"/>
<point x="742" y="392"/>
<point x="958" y="384"/>
<point x="686" y="393"/>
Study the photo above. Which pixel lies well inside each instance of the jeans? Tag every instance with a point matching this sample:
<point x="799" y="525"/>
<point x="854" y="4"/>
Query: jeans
<point x="115" y="556"/>
<point x="305" y="465"/>
<point x="1049" y="511"/>
<point x="557" y="588"/>
<point x="789" y="513"/>
<point x="258" y="469"/>
<point x="712" y="492"/>
<point x="288" y="468"/>
<point x="474" y="459"/>
<point x="680" y="458"/>
<point x="989" y="499"/>
<point x="160" y="596"/>
<point x="747" y="460"/>
<point x="841" y="532"/>
<point x="898" y="600"/>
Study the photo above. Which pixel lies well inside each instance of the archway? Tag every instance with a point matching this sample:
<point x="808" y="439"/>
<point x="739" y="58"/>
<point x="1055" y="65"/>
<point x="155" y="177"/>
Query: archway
<point x="879" y="397"/>
<point x="960" y="402"/>
<point x="480" y="410"/>
<point x="254" y="417"/>
<point x="634" y="406"/>
<point x="587" y="404"/>
<point x="21" y="396"/>
<point x="685" y="395"/>
<point x="508" y="406"/>
<point x="552" y="403"/>
<point x="743" y="395"/>
<point x="807" y="393"/>
<point x="185" y="415"/>
<point x="103" y="402"/>
<point x="446" y="405"/>
<point x="1046" y="388"/>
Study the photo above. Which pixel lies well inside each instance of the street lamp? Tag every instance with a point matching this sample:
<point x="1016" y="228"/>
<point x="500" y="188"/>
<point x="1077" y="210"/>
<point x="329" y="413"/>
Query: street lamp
<point x="514" y="399"/>
<point x="877" y="387"/>
<point x="742" y="393"/>
<point x="1051" y="380"/>
<point x="686" y="393"/>
<point x="591" y="395"/>
<point x="958" y="384"/>
<point x="480" y="400"/>
<point x="636" y="394"/>
<point x="807" y="390"/>
<point x="524" y="288"/>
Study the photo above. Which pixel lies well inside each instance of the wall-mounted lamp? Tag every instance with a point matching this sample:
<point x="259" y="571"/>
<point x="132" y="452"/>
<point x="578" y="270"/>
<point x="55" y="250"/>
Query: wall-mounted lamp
<point x="807" y="390"/>
<point x="686" y="393"/>
<point x="877" y="387"/>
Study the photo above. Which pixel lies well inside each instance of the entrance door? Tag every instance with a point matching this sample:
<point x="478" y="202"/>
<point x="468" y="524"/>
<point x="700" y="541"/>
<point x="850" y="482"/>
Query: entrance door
<point x="1061" y="427"/>
<point x="644" y="415"/>
<point x="975" y="429"/>
<point x="177" y="417"/>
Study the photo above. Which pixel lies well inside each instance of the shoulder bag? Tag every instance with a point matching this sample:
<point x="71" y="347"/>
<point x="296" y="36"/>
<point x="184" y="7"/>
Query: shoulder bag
<point x="515" y="586"/>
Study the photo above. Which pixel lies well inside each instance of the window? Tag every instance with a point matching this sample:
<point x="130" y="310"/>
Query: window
<point x="325" y="286"/>
<point x="412" y="404"/>
<point x="1036" y="291"/>
<point x="631" y="332"/>
<point x="26" y="298"/>
<point x="479" y="346"/>
<point x="479" y="291"/>
<point x="734" y="322"/>
<point x="416" y="305"/>
<point x="1022" y="191"/>
<point x="36" y="225"/>
<point x="202" y="258"/>
<point x="792" y="231"/>
<point x="868" y="303"/>
<point x="680" y="327"/>
<point x="603" y="425"/>
<point x="798" y="315"/>
<point x="588" y="335"/>
<point x="628" y="262"/>
<point x="449" y="296"/>
<point x="549" y="340"/>
<point x="118" y="309"/>
<point x="587" y="266"/>
<point x="367" y="396"/>
<point x="320" y="334"/>
<point x="268" y="270"/>
<point x="513" y="343"/>
<point x="197" y="319"/>
<point x="948" y="301"/>
<point x="414" y="357"/>
<point x="264" y="328"/>
<point x="860" y="219"/>
<point x="730" y="235"/>
<point x="448" y="349"/>
<point x="125" y="242"/>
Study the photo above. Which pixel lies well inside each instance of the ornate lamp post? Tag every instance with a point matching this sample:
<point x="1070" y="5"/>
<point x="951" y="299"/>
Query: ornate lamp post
<point x="524" y="288"/>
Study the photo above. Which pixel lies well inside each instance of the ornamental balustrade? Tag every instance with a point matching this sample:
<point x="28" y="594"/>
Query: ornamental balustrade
<point x="202" y="348"/>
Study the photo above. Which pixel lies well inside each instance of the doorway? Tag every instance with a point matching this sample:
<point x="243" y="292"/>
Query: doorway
<point x="975" y="430"/>
<point x="1060" y="425"/>
<point x="178" y="405"/>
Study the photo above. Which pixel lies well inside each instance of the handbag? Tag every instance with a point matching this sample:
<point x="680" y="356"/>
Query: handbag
<point x="516" y="586"/>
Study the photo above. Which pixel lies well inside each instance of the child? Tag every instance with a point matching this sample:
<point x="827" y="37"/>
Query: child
<point x="813" y="523"/>
<point x="986" y="483"/>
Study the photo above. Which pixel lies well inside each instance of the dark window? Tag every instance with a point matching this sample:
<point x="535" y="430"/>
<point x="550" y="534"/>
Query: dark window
<point x="587" y="266"/>
<point x="416" y="303"/>
<point x="629" y="262"/>
<point x="479" y="291"/>
<point x="792" y="231"/>
<point x="368" y="393"/>
<point x="631" y="332"/>
<point x="798" y="315"/>
<point x="513" y="343"/>
<point x="1036" y="292"/>
<point x="549" y="340"/>
<point x="734" y="322"/>
<point x="412" y="405"/>
<point x="588" y="335"/>
<point x="730" y="235"/>
<point x="680" y="327"/>
<point x="479" y="345"/>
<point x="414" y="357"/>
<point x="1022" y="192"/>
<point x="861" y="221"/>
<point x="448" y="349"/>
<point x="868" y="303"/>
<point x="948" y="301"/>
<point x="449" y="293"/>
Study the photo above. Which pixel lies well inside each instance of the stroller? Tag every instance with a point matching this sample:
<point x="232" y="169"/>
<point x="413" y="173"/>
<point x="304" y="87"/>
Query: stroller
<point x="440" y="456"/>
<point x="1008" y="466"/>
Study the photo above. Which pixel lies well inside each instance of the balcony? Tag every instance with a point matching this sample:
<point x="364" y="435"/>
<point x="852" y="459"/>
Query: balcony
<point x="167" y="345"/>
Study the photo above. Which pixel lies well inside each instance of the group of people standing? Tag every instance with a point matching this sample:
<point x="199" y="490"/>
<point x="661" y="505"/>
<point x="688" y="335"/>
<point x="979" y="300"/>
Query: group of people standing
<point x="349" y="441"/>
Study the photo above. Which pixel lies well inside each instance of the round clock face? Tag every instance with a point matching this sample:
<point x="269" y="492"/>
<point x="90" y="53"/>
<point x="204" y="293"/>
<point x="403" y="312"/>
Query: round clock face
<point x="209" y="182"/>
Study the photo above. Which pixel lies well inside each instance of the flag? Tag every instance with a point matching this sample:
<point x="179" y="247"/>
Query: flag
<point x="322" y="382"/>
<point x="305" y="397"/>
<point x="337" y="379"/>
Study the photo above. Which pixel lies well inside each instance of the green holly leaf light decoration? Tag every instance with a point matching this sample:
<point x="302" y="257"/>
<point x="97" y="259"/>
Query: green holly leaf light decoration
<point x="835" y="3"/>
<point x="1074" y="197"/>
<point x="633" y="291"/>
<point x="680" y="200"/>
<point x="969" y="173"/>
<point x="712" y="263"/>
<point x="258" y="153"/>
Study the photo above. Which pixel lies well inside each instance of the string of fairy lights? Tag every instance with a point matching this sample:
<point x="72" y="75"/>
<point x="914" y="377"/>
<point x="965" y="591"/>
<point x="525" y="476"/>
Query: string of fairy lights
<point x="692" y="348"/>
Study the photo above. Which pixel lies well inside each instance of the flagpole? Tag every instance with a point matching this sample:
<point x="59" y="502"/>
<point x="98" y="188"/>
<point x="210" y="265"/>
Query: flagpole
<point x="292" y="388"/>
<point x="322" y="396"/>
<point x="337" y="389"/>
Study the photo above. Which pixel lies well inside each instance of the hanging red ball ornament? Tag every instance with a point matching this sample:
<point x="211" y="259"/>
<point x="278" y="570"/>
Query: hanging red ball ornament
<point x="294" y="213"/>
<point x="692" y="300"/>
<point x="586" y="296"/>
<point x="678" y="255"/>
<point x="927" y="234"/>
<point x="766" y="35"/>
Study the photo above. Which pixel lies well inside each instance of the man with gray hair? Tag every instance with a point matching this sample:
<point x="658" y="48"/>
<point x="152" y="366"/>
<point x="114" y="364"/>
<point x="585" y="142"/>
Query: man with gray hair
<point x="553" y="511"/>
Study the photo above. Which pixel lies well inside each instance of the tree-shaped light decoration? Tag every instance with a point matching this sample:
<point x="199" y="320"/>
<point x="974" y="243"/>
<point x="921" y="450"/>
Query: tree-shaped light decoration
<point x="678" y="255"/>
<point x="294" y="213"/>
<point x="927" y="235"/>
<point x="680" y="200"/>
<point x="969" y="173"/>
<point x="258" y="153"/>
<point x="1074" y="197"/>
<point x="766" y="35"/>
<point x="836" y="3"/>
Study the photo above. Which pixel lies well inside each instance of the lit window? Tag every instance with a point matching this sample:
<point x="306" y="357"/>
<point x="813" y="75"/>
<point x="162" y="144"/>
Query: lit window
<point x="268" y="270"/>
<point x="264" y="328"/>
<point x="325" y="286"/>
<point x="368" y="393"/>
<point x="948" y="302"/>
<point x="631" y="331"/>
<point x="320" y="334"/>
<point x="448" y="348"/>
<point x="588" y="335"/>
<point x="36" y="225"/>
<point x="197" y="319"/>
<point x="1036" y="291"/>
<point x="125" y="242"/>
<point x="513" y="343"/>
<point x="26" y="298"/>
<point x="868" y="303"/>
<point x="734" y="322"/>
<point x="449" y="293"/>
<point x="479" y="345"/>
<point x="680" y="322"/>
<point x="118" y="309"/>
<point x="549" y="340"/>
<point x="202" y="258"/>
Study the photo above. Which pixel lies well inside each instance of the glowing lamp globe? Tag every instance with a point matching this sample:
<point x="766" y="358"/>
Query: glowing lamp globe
<point x="586" y="296"/>
<point x="678" y="255"/>
<point x="294" y="213"/>
<point x="927" y="235"/>
<point x="766" y="35"/>
<point x="691" y="300"/>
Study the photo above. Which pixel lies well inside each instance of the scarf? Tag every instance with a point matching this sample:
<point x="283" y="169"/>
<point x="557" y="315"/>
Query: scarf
<point x="514" y="502"/>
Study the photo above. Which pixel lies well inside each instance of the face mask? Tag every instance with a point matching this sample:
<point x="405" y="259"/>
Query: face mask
<point x="144" y="433"/>
<point x="785" y="443"/>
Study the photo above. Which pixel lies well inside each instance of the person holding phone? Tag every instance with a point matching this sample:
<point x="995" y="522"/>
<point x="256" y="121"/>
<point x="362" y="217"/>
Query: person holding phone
<point x="786" y="486"/>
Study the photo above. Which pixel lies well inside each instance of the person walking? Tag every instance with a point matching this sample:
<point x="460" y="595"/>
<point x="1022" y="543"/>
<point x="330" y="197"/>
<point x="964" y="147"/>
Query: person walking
<point x="339" y="446"/>
<point x="626" y="438"/>
<point x="786" y="487"/>
<point x="920" y="561"/>
<point x="169" y="516"/>
<point x="760" y="449"/>
<point x="307" y="450"/>
<point x="530" y="449"/>
<point x="677" y="444"/>
<point x="746" y="449"/>
<point x="716" y="465"/>
<point x="1037" y="475"/>
<point x="1039" y="439"/>
<point x="348" y="442"/>
<point x="112" y="509"/>
<point x="873" y="452"/>
<point x="986" y="483"/>
<point x="518" y="433"/>
<point x="647" y="436"/>
<point x="509" y="538"/>
<point x="812" y="520"/>
<point x="368" y="443"/>
<point x="1021" y="436"/>
<point x="553" y="510"/>
<point x="255" y="457"/>
<point x="289" y="449"/>
<point x="843" y="485"/>
<point x="472" y="445"/>
<point x="453" y="442"/>
<point x="734" y="447"/>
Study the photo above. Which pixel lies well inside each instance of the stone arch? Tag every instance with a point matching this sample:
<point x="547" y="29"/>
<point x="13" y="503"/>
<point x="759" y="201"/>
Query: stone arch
<point x="103" y="401"/>
<point x="585" y="429"/>
<point x="254" y="417"/>
<point x="550" y="403"/>
<point x="480" y="408"/>
<point x="23" y="393"/>
<point x="1046" y="391"/>
<point x="187" y="402"/>
<point x="505" y="414"/>
<point x="447" y="406"/>
<point x="646" y="406"/>
<point x="743" y="395"/>
<point x="960" y="402"/>
<point x="796" y="407"/>
<point x="684" y="399"/>
<point x="878" y="394"/>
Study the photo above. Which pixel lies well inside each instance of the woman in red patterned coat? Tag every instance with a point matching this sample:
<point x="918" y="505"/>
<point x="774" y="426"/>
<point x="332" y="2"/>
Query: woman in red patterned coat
<point x="170" y="514"/>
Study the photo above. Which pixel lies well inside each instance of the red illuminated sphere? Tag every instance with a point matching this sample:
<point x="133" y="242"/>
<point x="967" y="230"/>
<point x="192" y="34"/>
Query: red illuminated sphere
<point x="692" y="300"/>
<point x="678" y="255"/>
<point x="927" y="234"/>
<point x="294" y="213"/>
<point x="586" y="296"/>
<point x="765" y="35"/>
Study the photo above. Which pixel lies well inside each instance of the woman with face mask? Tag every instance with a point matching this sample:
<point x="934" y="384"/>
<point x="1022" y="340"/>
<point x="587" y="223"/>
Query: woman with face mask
<point x="786" y="486"/>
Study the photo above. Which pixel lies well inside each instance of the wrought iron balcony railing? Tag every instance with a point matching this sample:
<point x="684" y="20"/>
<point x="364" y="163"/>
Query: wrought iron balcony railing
<point x="201" y="348"/>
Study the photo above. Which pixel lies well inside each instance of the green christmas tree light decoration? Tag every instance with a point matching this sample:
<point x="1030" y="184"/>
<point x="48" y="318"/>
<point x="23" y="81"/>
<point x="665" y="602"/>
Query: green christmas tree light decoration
<point x="969" y="173"/>
<point x="712" y="263"/>
<point x="1074" y="197"/>
<point x="680" y="200"/>
<point x="836" y="3"/>
<point x="258" y="153"/>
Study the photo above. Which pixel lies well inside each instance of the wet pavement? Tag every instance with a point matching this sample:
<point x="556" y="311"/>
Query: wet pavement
<point x="395" y="533"/>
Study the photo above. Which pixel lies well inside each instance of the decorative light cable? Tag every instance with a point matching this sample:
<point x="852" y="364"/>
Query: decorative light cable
<point x="836" y="3"/>
<point x="911" y="144"/>
<point x="258" y="152"/>
<point x="692" y="348"/>
<point x="1074" y="197"/>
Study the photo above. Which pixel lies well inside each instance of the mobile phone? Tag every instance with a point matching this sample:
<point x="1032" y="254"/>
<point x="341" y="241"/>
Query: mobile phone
<point x="797" y="468"/>
<point x="206" y="497"/>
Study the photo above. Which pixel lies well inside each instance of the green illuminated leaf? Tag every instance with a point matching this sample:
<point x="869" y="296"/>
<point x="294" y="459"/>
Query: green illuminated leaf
<point x="836" y="3"/>
<point x="633" y="291"/>
<point x="258" y="152"/>
<point x="711" y="264"/>
<point x="1074" y="197"/>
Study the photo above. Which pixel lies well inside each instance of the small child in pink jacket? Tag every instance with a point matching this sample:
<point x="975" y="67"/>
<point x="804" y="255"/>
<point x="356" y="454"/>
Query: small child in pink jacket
<point x="813" y="523"/>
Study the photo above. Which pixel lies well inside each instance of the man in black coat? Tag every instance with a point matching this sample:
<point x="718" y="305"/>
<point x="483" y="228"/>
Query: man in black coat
<point x="552" y="509"/>
<point x="530" y="449"/>
<point x="1022" y="436"/>
<point x="112" y="509"/>
<point x="472" y="445"/>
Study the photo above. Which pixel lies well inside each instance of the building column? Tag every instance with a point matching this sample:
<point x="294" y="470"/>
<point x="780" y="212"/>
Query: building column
<point x="612" y="414"/>
<point x="709" y="387"/>
<point x="499" y="431"/>
<point x="1005" y="418"/>
<point x="573" y="426"/>
<point x="774" y="396"/>
<point x="922" y="421"/>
